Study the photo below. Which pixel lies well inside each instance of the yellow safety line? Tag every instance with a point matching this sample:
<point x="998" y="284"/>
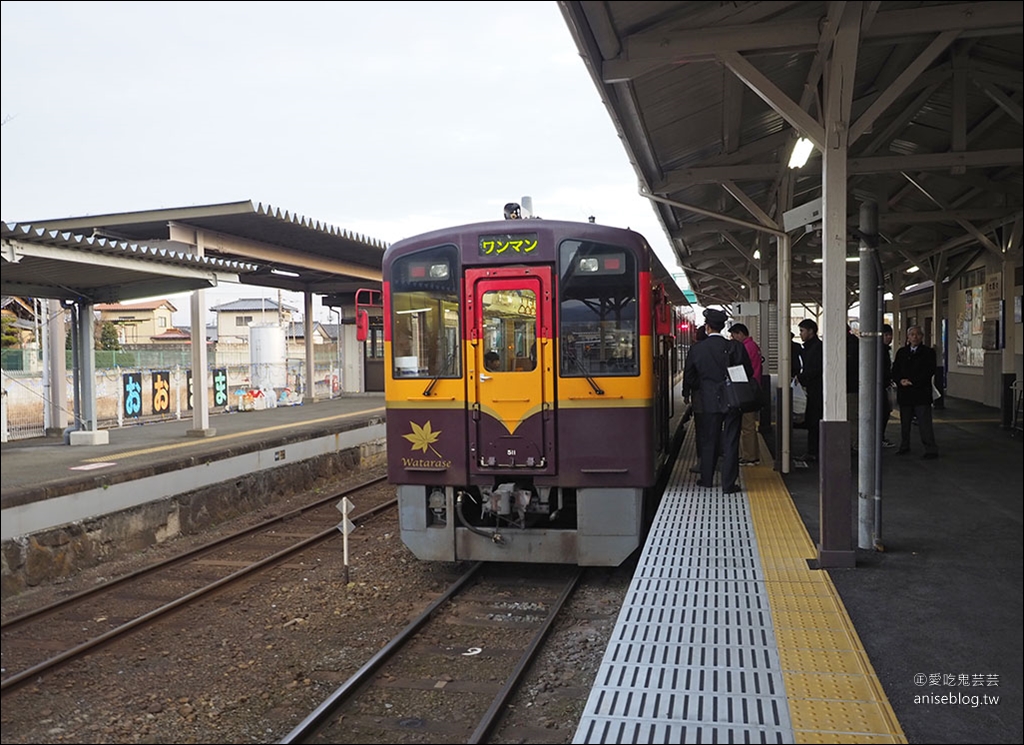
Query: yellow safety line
<point x="221" y="438"/>
<point x="833" y="692"/>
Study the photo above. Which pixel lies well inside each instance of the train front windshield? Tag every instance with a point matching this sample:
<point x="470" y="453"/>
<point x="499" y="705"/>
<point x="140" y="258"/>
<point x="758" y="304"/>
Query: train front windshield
<point x="425" y="337"/>
<point x="598" y="310"/>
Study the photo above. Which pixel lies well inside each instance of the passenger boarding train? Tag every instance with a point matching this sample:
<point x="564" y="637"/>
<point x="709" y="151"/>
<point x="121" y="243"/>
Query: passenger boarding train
<point x="531" y="385"/>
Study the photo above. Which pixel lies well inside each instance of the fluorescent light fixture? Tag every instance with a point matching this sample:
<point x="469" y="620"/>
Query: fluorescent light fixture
<point x="801" y="152"/>
<point x="284" y="273"/>
<point x="849" y="260"/>
<point x="914" y="268"/>
<point x="757" y="254"/>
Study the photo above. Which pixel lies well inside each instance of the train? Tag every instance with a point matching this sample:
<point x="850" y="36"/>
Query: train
<point x="531" y="389"/>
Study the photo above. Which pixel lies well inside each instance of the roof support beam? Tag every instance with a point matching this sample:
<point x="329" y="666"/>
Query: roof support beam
<point x="712" y="275"/>
<point x="780" y="196"/>
<point x="749" y="204"/>
<point x="902" y="82"/>
<point x="690" y="230"/>
<point x="975" y="134"/>
<point x="964" y="264"/>
<point x="897" y="124"/>
<point x="938" y="161"/>
<point x="684" y="178"/>
<point x="221" y="243"/>
<point x="783" y="105"/>
<point x="981" y="237"/>
<point x="950" y="215"/>
<point x="732" y="112"/>
<point x="745" y="253"/>
<point x="1003" y="101"/>
<point x="958" y="119"/>
<point x="649" y="50"/>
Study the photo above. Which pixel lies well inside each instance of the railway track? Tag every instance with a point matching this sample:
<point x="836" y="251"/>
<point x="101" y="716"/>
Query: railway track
<point x="45" y="638"/>
<point x="433" y="682"/>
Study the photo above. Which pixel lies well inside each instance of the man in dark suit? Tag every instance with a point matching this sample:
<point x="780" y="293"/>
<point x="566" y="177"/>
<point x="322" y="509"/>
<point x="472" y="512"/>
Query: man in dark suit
<point x="912" y="371"/>
<point x="718" y="429"/>
<point x="886" y="381"/>
<point x="811" y="377"/>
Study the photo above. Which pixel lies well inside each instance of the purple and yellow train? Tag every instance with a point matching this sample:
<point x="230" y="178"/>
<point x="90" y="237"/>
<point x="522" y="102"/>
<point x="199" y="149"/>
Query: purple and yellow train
<point x="530" y="382"/>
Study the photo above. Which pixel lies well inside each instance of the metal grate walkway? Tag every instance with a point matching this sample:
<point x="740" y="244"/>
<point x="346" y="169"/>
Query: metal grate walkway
<point x="697" y="655"/>
<point x="693" y="655"/>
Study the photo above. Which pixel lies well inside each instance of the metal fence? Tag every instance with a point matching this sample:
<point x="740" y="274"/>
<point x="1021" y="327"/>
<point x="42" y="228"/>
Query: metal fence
<point x="127" y="395"/>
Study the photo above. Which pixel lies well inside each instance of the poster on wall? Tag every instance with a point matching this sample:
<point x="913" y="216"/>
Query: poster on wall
<point x="970" y="321"/>
<point x="990" y="336"/>
<point x="993" y="296"/>
<point x="161" y="393"/>
<point x="131" y="391"/>
<point x="977" y="313"/>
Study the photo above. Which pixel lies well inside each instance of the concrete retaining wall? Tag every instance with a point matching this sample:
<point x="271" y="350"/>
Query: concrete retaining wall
<point x="62" y="551"/>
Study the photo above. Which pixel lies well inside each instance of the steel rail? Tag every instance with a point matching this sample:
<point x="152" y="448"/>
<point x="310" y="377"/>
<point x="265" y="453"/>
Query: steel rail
<point x="179" y="558"/>
<point x="10" y="682"/>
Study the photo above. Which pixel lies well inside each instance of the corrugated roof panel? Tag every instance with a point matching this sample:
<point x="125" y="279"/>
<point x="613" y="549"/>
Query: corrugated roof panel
<point x="65" y="265"/>
<point x="675" y="107"/>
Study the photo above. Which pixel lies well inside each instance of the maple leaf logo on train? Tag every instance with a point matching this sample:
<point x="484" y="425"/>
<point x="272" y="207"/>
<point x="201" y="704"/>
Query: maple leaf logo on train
<point x="423" y="437"/>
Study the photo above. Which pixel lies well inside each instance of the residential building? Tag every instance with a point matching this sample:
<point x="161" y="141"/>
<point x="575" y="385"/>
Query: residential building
<point x="141" y="323"/>
<point x="234" y="319"/>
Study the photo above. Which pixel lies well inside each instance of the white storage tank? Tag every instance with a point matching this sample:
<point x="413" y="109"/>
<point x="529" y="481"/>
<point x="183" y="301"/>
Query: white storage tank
<point x="268" y="356"/>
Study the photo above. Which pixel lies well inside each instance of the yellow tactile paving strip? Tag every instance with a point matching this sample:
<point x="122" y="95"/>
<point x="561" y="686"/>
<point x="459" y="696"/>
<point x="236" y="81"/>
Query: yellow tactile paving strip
<point x="834" y="695"/>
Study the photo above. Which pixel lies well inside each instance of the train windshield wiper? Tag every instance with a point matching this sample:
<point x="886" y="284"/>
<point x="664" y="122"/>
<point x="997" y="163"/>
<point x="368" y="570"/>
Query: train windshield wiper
<point x="444" y="371"/>
<point x="586" y="374"/>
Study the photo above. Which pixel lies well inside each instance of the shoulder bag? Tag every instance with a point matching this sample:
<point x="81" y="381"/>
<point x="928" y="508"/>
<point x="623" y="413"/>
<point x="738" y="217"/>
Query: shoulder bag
<point x="741" y="393"/>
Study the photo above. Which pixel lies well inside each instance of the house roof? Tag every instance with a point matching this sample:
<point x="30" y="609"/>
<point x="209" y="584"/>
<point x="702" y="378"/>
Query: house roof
<point x="296" y="330"/>
<point x="252" y="304"/>
<point x="173" y="334"/>
<point x="150" y="305"/>
<point x="17" y="306"/>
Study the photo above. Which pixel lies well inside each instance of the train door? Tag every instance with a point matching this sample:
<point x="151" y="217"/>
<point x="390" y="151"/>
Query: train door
<point x="511" y="381"/>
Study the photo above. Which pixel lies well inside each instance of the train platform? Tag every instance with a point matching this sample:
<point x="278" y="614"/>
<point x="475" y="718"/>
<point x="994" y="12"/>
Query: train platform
<point x="729" y="634"/>
<point x="45" y="483"/>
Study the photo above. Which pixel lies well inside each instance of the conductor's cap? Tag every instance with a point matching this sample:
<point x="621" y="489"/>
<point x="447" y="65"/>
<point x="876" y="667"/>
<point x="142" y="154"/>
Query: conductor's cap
<point x="715" y="317"/>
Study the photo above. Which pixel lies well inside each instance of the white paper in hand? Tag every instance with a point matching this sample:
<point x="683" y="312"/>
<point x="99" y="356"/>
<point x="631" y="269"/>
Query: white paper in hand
<point x="737" y="374"/>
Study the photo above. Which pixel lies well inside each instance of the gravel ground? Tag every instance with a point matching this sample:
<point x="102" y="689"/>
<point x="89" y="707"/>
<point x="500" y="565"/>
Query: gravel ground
<point x="249" y="664"/>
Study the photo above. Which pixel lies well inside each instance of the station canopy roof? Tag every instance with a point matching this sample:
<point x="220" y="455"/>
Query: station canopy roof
<point x="48" y="263"/>
<point x="710" y="97"/>
<point x="280" y="249"/>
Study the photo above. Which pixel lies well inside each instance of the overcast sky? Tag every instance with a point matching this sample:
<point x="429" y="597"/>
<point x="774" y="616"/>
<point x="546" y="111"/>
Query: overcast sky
<point x="383" y="118"/>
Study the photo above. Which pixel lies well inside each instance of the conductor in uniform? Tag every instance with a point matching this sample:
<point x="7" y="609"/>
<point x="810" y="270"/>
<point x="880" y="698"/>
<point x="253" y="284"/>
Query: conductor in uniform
<point x="718" y="428"/>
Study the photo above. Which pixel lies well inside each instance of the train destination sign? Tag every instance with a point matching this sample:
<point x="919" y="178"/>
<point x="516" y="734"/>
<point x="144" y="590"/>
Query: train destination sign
<point x="508" y="244"/>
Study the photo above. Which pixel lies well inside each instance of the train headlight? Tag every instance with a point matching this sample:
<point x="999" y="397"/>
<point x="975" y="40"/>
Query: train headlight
<point x="438" y="505"/>
<point x="589" y="264"/>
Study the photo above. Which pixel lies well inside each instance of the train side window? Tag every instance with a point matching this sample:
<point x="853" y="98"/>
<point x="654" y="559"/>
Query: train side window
<point x="425" y="317"/>
<point x="597" y="310"/>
